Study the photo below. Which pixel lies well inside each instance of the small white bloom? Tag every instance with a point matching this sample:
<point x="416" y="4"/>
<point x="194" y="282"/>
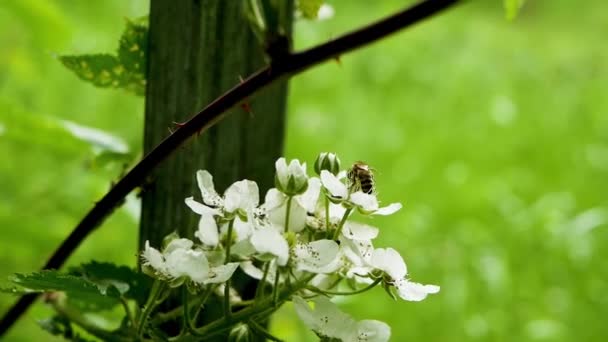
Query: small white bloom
<point x="240" y="197"/>
<point x="390" y="262"/>
<point x="291" y="180"/>
<point x="414" y="291"/>
<point x="328" y="321"/>
<point x="187" y="263"/>
<point x="366" y="203"/>
<point x="178" y="260"/>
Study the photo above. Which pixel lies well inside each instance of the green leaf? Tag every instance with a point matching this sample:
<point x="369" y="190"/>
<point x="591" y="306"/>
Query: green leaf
<point x="310" y="8"/>
<point x="79" y="291"/>
<point x="126" y="70"/>
<point x="133" y="47"/>
<point x="512" y="8"/>
<point x="103" y="70"/>
<point x="110" y="277"/>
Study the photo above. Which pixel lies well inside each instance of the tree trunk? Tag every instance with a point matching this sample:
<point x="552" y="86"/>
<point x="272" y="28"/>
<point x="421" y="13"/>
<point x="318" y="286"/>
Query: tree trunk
<point x="198" y="49"/>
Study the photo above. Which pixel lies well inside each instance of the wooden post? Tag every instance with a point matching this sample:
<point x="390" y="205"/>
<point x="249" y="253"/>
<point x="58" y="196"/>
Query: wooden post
<point x="198" y="49"/>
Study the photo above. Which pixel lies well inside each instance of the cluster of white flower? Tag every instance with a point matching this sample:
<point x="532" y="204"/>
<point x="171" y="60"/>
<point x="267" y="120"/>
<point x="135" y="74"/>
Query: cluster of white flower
<point x="301" y="235"/>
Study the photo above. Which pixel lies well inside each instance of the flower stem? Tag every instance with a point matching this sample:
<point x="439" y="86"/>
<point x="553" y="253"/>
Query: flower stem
<point x="287" y="213"/>
<point x="341" y="224"/>
<point x="259" y="291"/>
<point x="157" y="289"/>
<point x="327" y="215"/>
<point x="338" y="293"/>
<point x="227" y="309"/>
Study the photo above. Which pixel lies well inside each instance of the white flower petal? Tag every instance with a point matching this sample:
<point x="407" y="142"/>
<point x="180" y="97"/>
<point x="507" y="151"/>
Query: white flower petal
<point x="207" y="231"/>
<point x="296" y="169"/>
<point x="269" y="240"/>
<point x="208" y="193"/>
<point x="358" y="252"/>
<point x="281" y="169"/>
<point x="366" y="202"/>
<point x="333" y="185"/>
<point x="297" y="216"/>
<point x="388" y="210"/>
<point x="243" y="229"/>
<point x="373" y="331"/>
<point x="414" y="291"/>
<point x="251" y="270"/>
<point x="326" y="319"/>
<point x="241" y="195"/>
<point x="221" y="274"/>
<point x="153" y="258"/>
<point x="389" y="261"/>
<point x="274" y="199"/>
<point x="177" y="244"/>
<point x="308" y="200"/>
<point x="359" y="231"/>
<point x="190" y="263"/>
<point x="200" y="208"/>
<point x="316" y="256"/>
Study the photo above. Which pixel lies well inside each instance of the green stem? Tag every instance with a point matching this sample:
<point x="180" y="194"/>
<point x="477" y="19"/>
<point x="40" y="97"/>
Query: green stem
<point x="128" y="313"/>
<point x="338" y="293"/>
<point x="344" y="218"/>
<point x="187" y="321"/>
<point x="327" y="215"/>
<point x="244" y="315"/>
<point x="157" y="289"/>
<point x="263" y="332"/>
<point x="287" y="213"/>
<point x="259" y="291"/>
<point x="227" y="309"/>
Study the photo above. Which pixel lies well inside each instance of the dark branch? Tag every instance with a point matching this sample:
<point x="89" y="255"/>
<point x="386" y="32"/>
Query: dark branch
<point x="288" y="66"/>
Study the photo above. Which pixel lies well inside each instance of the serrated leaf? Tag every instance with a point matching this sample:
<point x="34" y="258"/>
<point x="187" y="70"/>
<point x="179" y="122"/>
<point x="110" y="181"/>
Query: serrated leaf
<point x="125" y="70"/>
<point x="110" y="277"/>
<point x="103" y="70"/>
<point x="512" y="8"/>
<point x="80" y="292"/>
<point x="310" y="8"/>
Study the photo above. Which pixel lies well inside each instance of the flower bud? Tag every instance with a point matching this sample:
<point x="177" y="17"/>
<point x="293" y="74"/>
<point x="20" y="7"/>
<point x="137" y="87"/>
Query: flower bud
<point x="291" y="180"/>
<point x="240" y="333"/>
<point x="327" y="161"/>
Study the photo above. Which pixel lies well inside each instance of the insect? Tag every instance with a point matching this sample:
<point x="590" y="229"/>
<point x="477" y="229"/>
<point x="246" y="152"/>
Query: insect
<point x="361" y="177"/>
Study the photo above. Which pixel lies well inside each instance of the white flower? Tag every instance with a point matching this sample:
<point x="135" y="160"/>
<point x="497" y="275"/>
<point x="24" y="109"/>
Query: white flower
<point x="328" y="321"/>
<point x="238" y="198"/>
<point x="178" y="260"/>
<point x="366" y="203"/>
<point x="318" y="256"/>
<point x="291" y="180"/>
<point x="391" y="263"/>
<point x="275" y="205"/>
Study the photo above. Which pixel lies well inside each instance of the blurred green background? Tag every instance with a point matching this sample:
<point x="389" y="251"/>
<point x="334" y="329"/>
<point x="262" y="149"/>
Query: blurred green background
<point x="493" y="133"/>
